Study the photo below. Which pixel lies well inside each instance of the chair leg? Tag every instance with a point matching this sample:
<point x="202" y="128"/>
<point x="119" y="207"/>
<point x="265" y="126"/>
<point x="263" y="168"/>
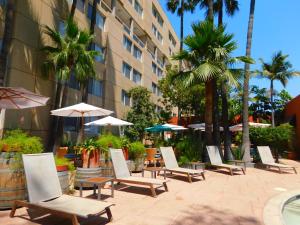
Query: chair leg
<point x="189" y="178"/>
<point x="109" y="215"/>
<point x="203" y="176"/>
<point x="231" y="172"/>
<point x="295" y="170"/>
<point x="152" y="191"/>
<point x="279" y="170"/>
<point x="75" y="220"/>
<point x="165" y="186"/>
<point x="13" y="209"/>
<point x="243" y="170"/>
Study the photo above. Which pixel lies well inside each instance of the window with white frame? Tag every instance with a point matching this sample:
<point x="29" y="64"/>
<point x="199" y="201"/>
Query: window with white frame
<point x="100" y="20"/>
<point x="126" y="70"/>
<point x="172" y="39"/>
<point x="95" y="87"/>
<point x="154" y="88"/>
<point x="159" y="73"/>
<point x="127" y="44"/>
<point x="125" y="98"/>
<point x="101" y="50"/>
<point x="157" y="16"/>
<point x="137" y="53"/>
<point x="138" y="8"/>
<point x="154" y="68"/>
<point x="137" y="77"/>
<point x="157" y="34"/>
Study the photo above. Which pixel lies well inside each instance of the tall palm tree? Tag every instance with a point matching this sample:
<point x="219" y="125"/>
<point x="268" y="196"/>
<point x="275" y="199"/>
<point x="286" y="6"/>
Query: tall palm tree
<point x="278" y="69"/>
<point x="246" y="138"/>
<point x="73" y="8"/>
<point x="7" y="36"/>
<point x="68" y="54"/>
<point x="208" y="51"/>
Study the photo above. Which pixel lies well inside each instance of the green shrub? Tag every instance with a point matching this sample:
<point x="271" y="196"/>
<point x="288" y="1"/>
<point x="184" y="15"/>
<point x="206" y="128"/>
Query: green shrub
<point x="189" y="150"/>
<point x="237" y="153"/>
<point x="136" y="150"/>
<point x="64" y="162"/>
<point x="279" y="138"/>
<point x="107" y="141"/>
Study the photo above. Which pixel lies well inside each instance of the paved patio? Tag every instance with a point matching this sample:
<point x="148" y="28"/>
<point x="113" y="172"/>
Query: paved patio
<point x="220" y="200"/>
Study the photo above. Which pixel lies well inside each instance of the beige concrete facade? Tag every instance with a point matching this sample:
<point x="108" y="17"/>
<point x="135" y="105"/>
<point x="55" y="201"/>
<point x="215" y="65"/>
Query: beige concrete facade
<point x="142" y="22"/>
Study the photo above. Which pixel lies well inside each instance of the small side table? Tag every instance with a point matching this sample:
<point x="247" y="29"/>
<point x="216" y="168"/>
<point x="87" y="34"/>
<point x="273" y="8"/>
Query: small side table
<point x="197" y="165"/>
<point x="153" y="171"/>
<point x="97" y="182"/>
<point x="238" y="162"/>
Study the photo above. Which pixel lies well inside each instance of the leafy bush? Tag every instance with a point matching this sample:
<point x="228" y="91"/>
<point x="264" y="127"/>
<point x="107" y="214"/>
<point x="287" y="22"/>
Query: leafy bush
<point x="237" y="153"/>
<point x="136" y="150"/>
<point x="64" y="162"/>
<point x="107" y="141"/>
<point x="188" y="150"/>
<point x="89" y="145"/>
<point x="278" y="138"/>
<point x="21" y="142"/>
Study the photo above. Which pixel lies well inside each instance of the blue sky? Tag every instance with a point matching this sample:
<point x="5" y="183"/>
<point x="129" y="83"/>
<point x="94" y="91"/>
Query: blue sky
<point x="276" y="27"/>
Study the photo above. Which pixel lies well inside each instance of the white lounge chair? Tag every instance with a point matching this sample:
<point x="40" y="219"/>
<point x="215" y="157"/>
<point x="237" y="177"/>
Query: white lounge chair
<point x="268" y="160"/>
<point x="172" y="165"/>
<point x="123" y="175"/>
<point x="45" y="193"/>
<point x="216" y="160"/>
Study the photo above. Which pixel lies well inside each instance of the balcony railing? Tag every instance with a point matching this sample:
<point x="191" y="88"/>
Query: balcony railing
<point x="126" y="29"/>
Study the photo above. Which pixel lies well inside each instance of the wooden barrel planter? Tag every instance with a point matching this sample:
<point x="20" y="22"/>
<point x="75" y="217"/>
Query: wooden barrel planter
<point x="12" y="181"/>
<point x="63" y="177"/>
<point x="84" y="173"/>
<point x="106" y="168"/>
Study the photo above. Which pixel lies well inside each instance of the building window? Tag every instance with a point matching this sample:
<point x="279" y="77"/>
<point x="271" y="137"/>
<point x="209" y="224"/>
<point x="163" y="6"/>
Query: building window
<point x="154" y="68"/>
<point x="127" y="43"/>
<point x="138" y="8"/>
<point x="95" y="87"/>
<point x="159" y="37"/>
<point x="159" y="93"/>
<point x="125" y="98"/>
<point x="61" y="28"/>
<point x="137" y="77"/>
<point x="172" y="39"/>
<point x="157" y="34"/>
<point x="100" y="20"/>
<point x="170" y="52"/>
<point x="137" y="53"/>
<point x="73" y="82"/>
<point x="80" y="5"/>
<point x="101" y="50"/>
<point x="157" y="16"/>
<point x="154" y="30"/>
<point x="159" y="73"/>
<point x="154" y="88"/>
<point x="126" y="70"/>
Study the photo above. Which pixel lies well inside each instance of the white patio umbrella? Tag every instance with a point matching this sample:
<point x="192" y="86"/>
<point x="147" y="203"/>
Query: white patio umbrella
<point x="81" y="110"/>
<point x="174" y="127"/>
<point x="239" y="127"/>
<point x="200" y="126"/>
<point x="20" y="98"/>
<point x="109" y="121"/>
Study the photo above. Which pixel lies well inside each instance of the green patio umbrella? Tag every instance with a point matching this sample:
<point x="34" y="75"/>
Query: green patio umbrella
<point x="158" y="128"/>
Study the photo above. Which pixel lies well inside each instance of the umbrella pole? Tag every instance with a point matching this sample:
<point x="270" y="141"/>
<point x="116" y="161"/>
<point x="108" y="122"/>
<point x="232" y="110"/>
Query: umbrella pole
<point x="82" y="128"/>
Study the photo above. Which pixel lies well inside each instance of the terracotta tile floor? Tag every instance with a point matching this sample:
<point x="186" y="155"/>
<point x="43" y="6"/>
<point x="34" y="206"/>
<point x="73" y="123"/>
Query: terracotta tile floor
<point x="220" y="200"/>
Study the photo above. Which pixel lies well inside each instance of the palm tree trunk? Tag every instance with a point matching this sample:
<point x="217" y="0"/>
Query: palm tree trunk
<point x="215" y="113"/>
<point x="208" y="118"/>
<point x="73" y="8"/>
<point x="181" y="31"/>
<point x="271" y="100"/>
<point x="220" y="13"/>
<point x="246" y="138"/>
<point x="6" y="42"/>
<point x="226" y="132"/>
<point x="211" y="10"/>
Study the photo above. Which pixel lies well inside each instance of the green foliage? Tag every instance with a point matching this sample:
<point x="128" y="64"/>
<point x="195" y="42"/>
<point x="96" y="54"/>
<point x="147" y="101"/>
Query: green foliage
<point x="21" y="142"/>
<point x="238" y="138"/>
<point x="237" y="153"/>
<point x="125" y="143"/>
<point x="64" y="162"/>
<point x="279" y="138"/>
<point x="141" y="114"/>
<point x="69" y="53"/>
<point x="89" y="145"/>
<point x="136" y="150"/>
<point x="107" y="141"/>
<point x="189" y="150"/>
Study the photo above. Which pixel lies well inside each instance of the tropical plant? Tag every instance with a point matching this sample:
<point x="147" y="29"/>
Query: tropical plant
<point x="279" y="69"/>
<point x="188" y="150"/>
<point x="64" y="162"/>
<point x="107" y="141"/>
<point x="68" y="54"/>
<point x="246" y="139"/>
<point x="136" y="150"/>
<point x="141" y="114"/>
<point x="208" y="51"/>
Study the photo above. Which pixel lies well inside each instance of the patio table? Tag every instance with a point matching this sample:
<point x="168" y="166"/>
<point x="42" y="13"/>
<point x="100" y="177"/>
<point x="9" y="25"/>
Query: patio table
<point x="153" y="171"/>
<point x="97" y="182"/>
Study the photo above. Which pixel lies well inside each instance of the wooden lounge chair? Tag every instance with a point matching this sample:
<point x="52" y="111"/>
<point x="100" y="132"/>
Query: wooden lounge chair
<point x="45" y="193"/>
<point x="172" y="165"/>
<point x="123" y="175"/>
<point x="268" y="160"/>
<point x="216" y="160"/>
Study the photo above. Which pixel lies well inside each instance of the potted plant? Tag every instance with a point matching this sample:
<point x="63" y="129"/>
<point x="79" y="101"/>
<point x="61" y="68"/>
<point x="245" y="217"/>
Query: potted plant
<point x="90" y="153"/>
<point x="137" y="154"/>
<point x="125" y="147"/>
<point x="65" y="171"/>
<point x="12" y="146"/>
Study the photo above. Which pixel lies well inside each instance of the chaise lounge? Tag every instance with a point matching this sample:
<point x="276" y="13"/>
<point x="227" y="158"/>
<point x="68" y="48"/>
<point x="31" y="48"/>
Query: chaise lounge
<point x="45" y="193"/>
<point x="216" y="160"/>
<point x="268" y="160"/>
<point x="123" y="175"/>
<point x="172" y="165"/>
